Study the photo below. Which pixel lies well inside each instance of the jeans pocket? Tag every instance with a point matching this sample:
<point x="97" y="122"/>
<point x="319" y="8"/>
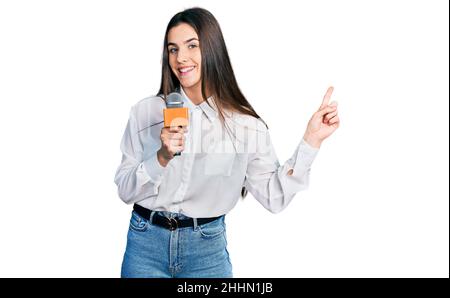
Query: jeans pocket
<point x="212" y="229"/>
<point x="138" y="223"/>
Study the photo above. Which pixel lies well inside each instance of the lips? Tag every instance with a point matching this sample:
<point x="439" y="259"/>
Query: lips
<point x="184" y="71"/>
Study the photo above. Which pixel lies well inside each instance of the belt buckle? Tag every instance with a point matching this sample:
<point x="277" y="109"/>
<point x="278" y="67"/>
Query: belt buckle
<point x="173" y="224"/>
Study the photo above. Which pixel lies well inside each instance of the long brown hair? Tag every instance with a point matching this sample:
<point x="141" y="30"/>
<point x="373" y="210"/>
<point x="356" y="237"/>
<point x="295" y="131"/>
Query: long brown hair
<point x="216" y="72"/>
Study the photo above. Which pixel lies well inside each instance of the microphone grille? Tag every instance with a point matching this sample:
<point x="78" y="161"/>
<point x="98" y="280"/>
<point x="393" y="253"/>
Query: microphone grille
<point x="174" y="100"/>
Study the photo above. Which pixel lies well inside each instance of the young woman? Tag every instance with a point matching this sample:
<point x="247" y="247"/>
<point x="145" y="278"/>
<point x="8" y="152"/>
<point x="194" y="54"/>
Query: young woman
<point x="177" y="227"/>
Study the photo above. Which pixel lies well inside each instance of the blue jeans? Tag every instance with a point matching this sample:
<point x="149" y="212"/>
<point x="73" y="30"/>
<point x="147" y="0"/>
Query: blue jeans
<point x="153" y="251"/>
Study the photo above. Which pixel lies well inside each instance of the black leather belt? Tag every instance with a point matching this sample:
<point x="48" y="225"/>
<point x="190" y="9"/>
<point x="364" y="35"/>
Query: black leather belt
<point x="170" y="223"/>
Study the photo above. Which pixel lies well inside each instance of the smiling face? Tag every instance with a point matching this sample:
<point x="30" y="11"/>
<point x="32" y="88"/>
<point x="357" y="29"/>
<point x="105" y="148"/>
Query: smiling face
<point x="184" y="55"/>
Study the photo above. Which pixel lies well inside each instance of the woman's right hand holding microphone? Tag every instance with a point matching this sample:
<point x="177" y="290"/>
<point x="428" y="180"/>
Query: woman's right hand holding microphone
<point x="172" y="142"/>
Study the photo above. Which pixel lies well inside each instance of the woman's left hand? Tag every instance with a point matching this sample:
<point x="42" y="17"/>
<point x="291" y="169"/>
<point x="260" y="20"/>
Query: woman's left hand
<point x="323" y="123"/>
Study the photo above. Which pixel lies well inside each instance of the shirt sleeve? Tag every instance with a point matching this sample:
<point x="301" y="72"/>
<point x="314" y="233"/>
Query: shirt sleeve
<point x="136" y="179"/>
<point x="269" y="182"/>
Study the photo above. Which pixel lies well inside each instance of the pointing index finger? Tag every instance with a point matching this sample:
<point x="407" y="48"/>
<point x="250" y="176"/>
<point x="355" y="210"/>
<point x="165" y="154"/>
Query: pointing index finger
<point x="327" y="96"/>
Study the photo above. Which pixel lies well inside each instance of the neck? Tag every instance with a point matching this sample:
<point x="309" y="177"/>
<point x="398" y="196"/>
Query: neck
<point x="195" y="94"/>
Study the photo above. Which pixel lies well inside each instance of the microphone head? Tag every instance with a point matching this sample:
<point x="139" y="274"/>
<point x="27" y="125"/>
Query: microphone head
<point x="174" y="100"/>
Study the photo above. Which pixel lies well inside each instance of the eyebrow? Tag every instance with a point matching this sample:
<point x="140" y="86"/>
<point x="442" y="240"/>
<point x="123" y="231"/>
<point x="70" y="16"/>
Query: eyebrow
<point x="174" y="44"/>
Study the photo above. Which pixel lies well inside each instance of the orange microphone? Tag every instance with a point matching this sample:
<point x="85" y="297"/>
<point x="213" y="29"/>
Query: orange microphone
<point x="175" y="114"/>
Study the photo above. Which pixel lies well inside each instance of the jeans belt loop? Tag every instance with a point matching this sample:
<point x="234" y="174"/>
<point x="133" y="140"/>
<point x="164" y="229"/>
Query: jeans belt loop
<point x="152" y="213"/>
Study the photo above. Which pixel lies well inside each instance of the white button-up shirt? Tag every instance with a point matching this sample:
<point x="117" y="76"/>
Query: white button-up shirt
<point x="207" y="178"/>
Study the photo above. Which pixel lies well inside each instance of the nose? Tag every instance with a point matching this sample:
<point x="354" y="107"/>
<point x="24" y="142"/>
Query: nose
<point x="182" y="56"/>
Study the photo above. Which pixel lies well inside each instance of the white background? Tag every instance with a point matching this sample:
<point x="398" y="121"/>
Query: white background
<point x="377" y="205"/>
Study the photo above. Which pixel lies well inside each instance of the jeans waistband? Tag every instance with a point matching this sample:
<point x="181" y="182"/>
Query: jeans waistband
<point x="170" y="223"/>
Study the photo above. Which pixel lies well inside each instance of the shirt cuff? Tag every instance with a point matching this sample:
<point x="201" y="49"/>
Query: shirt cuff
<point x="153" y="168"/>
<point x="305" y="157"/>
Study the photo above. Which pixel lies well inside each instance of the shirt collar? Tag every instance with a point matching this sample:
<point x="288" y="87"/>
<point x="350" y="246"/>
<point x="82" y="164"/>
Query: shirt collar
<point x="210" y="112"/>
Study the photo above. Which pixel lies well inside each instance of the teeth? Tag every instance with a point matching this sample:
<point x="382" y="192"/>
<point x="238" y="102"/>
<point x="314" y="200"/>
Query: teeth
<point x="186" y="69"/>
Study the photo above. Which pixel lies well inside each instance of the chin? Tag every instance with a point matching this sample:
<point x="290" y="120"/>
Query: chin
<point x="189" y="84"/>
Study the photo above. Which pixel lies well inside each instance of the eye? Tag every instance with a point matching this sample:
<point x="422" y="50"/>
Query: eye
<point x="191" y="46"/>
<point x="172" y="50"/>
